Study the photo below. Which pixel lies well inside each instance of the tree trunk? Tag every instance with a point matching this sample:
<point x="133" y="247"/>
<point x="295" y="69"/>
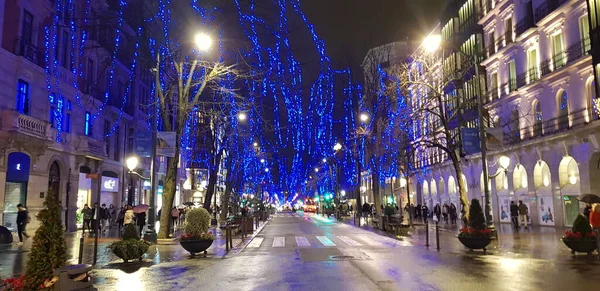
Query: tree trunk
<point x="168" y="195"/>
<point x="377" y="197"/>
<point x="225" y="201"/>
<point x="212" y="181"/>
<point x="462" y="188"/>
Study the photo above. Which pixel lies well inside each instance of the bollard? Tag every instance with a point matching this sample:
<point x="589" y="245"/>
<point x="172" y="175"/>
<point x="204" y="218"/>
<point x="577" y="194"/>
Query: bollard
<point x="437" y="235"/>
<point x="426" y="233"/>
<point x="230" y="238"/>
<point x="227" y="238"/>
<point x="80" y="250"/>
<point x="244" y="227"/>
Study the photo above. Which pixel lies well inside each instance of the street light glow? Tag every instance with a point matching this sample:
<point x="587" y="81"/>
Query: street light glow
<point x="203" y="41"/>
<point x="317" y="170"/>
<point x="364" y="117"/>
<point x="255" y="144"/>
<point x="132" y="163"/>
<point x="337" y="147"/>
<point x="267" y="170"/>
<point x="343" y="193"/>
<point x="324" y="160"/>
<point x="504" y="162"/>
<point x="432" y="42"/>
<point x="242" y="116"/>
<point x="262" y="161"/>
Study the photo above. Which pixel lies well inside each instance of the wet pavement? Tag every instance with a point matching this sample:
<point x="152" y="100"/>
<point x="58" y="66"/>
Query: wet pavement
<point x="13" y="258"/>
<point x="310" y="252"/>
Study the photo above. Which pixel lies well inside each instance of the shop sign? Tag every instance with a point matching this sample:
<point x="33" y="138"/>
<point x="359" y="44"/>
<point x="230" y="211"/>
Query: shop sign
<point x="470" y="140"/>
<point x="143" y="144"/>
<point x="165" y="143"/>
<point x="110" y="184"/>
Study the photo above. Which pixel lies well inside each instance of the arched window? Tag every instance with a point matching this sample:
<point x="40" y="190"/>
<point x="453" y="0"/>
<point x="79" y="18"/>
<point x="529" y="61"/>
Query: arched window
<point x="563" y="110"/>
<point x="538" y="119"/>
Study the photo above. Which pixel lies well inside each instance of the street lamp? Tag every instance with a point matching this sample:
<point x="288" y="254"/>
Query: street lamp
<point x="337" y="147"/>
<point x="504" y="162"/>
<point x="203" y="41"/>
<point x="317" y="170"/>
<point x="262" y="161"/>
<point x="242" y="116"/>
<point x="132" y="163"/>
<point x="267" y="170"/>
<point x="364" y="117"/>
<point x="324" y="160"/>
<point x="343" y="193"/>
<point x="255" y="144"/>
<point x="432" y="42"/>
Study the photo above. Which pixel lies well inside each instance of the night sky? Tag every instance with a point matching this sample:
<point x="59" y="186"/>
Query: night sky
<point x="351" y="27"/>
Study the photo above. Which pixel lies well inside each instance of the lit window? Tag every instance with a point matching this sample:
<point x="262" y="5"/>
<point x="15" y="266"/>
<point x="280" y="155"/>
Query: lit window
<point x="22" y="102"/>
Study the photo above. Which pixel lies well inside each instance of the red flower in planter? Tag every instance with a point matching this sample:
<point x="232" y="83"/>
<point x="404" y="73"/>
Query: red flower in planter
<point x="15" y="284"/>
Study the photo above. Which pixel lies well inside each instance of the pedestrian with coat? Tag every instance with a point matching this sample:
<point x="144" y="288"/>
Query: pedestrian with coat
<point x="121" y="217"/>
<point x="22" y="220"/>
<point x="595" y="223"/>
<point x="445" y="212"/>
<point x="587" y="210"/>
<point x="514" y="214"/>
<point x="437" y="211"/>
<point x="418" y="211"/>
<point x="87" y="217"/>
<point x="174" y="216"/>
<point x="129" y="216"/>
<point x="523" y="213"/>
<point x="453" y="213"/>
<point x="141" y="221"/>
<point x="112" y="211"/>
<point x="104" y="217"/>
<point x="425" y="212"/>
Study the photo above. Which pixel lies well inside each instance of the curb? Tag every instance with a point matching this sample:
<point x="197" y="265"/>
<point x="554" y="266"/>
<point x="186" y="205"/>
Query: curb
<point x="243" y="244"/>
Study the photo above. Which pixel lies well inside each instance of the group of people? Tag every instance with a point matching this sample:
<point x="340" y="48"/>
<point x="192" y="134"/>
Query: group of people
<point x="519" y="214"/>
<point x="448" y="213"/>
<point x="103" y="218"/>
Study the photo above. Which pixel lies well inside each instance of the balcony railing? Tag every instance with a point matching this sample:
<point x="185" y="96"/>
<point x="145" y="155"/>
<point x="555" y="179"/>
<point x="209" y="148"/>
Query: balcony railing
<point x="555" y="125"/>
<point x="15" y="121"/>
<point x="547" y="7"/>
<point x="90" y="146"/>
<point x="524" y="24"/>
<point x="499" y="44"/>
<point x="29" y="51"/>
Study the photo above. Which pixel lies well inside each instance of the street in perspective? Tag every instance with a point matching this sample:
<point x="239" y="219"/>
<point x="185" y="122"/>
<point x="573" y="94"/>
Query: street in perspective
<point x="300" y="145"/>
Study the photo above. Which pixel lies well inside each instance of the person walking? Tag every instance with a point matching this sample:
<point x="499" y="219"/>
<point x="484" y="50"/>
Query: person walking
<point x="103" y="216"/>
<point x="87" y="218"/>
<point x="523" y="213"/>
<point x="141" y="221"/>
<point x="445" y="212"/>
<point x="418" y="211"/>
<point x="95" y="220"/>
<point x="514" y="215"/>
<point x="174" y="216"/>
<point x="595" y="223"/>
<point x="121" y="217"/>
<point x="587" y="210"/>
<point x="437" y="211"/>
<point x="129" y="216"/>
<point x="453" y="213"/>
<point x="112" y="211"/>
<point x="425" y="213"/>
<point x="22" y="220"/>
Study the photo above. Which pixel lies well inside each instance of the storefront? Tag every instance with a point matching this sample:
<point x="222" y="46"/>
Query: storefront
<point x="504" y="210"/>
<point x="109" y="191"/>
<point x="84" y="196"/>
<point x="15" y="189"/>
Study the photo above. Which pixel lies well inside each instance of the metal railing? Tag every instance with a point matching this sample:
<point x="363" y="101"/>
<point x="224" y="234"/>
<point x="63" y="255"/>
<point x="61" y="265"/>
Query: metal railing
<point x="524" y="24"/>
<point x="499" y="44"/>
<point x="547" y="7"/>
<point x="29" y="51"/>
<point x="548" y="127"/>
<point x="12" y="120"/>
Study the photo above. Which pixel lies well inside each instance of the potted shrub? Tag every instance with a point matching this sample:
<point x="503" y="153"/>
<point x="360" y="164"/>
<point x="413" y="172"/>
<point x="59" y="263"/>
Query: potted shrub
<point x="130" y="247"/>
<point x="580" y="238"/>
<point x="476" y="235"/>
<point x="196" y="237"/>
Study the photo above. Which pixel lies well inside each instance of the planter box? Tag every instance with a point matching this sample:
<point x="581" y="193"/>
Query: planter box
<point x="475" y="243"/>
<point x="582" y="246"/>
<point x="249" y="224"/>
<point x="196" y="246"/>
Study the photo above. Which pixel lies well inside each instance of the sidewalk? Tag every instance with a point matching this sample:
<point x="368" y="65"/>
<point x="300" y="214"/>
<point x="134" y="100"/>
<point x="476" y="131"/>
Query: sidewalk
<point x="537" y="242"/>
<point x="13" y="258"/>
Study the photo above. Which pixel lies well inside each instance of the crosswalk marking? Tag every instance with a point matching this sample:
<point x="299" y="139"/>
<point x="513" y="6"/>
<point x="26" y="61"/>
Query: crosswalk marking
<point x="326" y="241"/>
<point x="349" y="241"/>
<point x="302" y="241"/>
<point x="369" y="240"/>
<point x="279" y="242"/>
<point x="256" y="242"/>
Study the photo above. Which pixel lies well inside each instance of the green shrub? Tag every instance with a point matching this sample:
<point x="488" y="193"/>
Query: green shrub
<point x="581" y="225"/>
<point x="130" y="232"/>
<point x="197" y="222"/>
<point x="49" y="249"/>
<point x="476" y="217"/>
<point x="129" y="249"/>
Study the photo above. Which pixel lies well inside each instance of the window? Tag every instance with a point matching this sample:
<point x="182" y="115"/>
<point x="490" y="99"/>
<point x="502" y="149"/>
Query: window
<point x="67" y="124"/>
<point x="494" y="86"/>
<point x="563" y="110"/>
<point x="538" y="119"/>
<point x="508" y="30"/>
<point x="594" y="8"/>
<point x="87" y="130"/>
<point x="584" y="33"/>
<point x="22" y="102"/>
<point x="557" y="51"/>
<point x="532" y="66"/>
<point x="89" y="77"/>
<point x="512" y="75"/>
<point x="26" y="28"/>
<point x="130" y="141"/>
<point x="491" y="44"/>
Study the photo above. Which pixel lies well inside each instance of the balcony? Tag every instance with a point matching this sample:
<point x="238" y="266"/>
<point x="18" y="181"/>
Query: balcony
<point x="14" y="121"/>
<point x="499" y="44"/>
<point x="29" y="51"/>
<point x="546" y="8"/>
<point x="89" y="146"/>
<point x="90" y="89"/>
<point x="524" y="25"/>
<point x="549" y="127"/>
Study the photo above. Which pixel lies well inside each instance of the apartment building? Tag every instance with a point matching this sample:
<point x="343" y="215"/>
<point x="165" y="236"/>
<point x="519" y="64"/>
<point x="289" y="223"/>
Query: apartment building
<point x="68" y="107"/>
